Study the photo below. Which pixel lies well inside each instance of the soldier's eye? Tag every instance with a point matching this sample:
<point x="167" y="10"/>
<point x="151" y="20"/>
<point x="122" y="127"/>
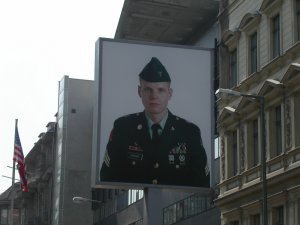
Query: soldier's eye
<point x="161" y="90"/>
<point x="147" y="90"/>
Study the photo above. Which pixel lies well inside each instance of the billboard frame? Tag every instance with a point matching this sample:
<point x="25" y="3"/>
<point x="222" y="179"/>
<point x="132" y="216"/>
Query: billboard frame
<point x="108" y="49"/>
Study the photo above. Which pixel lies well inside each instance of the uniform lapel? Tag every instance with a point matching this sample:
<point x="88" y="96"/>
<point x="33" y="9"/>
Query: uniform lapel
<point x="169" y="129"/>
<point x="143" y="130"/>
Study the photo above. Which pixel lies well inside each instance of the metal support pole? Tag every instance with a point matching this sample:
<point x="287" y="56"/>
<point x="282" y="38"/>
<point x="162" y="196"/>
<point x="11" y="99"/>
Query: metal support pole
<point x="12" y="196"/>
<point x="13" y="182"/>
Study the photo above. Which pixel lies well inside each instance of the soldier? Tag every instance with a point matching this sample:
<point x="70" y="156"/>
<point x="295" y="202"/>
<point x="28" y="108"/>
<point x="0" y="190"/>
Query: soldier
<point x="155" y="146"/>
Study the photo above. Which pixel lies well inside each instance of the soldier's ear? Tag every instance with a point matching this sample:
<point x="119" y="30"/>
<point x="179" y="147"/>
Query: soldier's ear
<point x="170" y="92"/>
<point x="139" y="91"/>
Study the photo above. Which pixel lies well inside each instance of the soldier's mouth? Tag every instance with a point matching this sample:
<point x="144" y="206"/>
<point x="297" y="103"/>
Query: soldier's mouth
<point x="154" y="104"/>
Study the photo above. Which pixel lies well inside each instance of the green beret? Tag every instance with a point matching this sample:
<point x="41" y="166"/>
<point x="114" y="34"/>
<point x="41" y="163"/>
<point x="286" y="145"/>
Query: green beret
<point x="154" y="71"/>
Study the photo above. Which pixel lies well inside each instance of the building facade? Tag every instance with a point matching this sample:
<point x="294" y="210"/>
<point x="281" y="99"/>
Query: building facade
<point x="36" y="205"/>
<point x="72" y="169"/>
<point x="259" y="55"/>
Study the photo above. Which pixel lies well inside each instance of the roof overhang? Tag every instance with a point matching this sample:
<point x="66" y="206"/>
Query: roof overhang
<point x="166" y="21"/>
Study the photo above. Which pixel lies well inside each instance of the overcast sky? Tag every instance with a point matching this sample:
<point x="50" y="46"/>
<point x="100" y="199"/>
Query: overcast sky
<point x="40" y="42"/>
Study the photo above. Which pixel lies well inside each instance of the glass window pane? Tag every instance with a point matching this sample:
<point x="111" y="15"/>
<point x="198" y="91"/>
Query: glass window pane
<point x="4" y="216"/>
<point x="217" y="148"/>
<point x="234" y="152"/>
<point x="278" y="130"/>
<point x="276" y="36"/>
<point x="255" y="142"/>
<point x="253" y="53"/>
<point x="298" y="19"/>
<point x="233" y="68"/>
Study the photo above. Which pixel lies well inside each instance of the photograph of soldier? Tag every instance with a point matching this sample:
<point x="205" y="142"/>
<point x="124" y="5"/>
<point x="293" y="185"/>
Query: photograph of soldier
<point x="155" y="146"/>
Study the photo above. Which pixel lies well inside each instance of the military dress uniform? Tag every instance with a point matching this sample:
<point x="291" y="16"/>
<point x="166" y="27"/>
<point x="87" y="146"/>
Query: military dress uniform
<point x="178" y="158"/>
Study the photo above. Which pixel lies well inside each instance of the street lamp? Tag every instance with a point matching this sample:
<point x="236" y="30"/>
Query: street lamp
<point x="261" y="101"/>
<point x="79" y="200"/>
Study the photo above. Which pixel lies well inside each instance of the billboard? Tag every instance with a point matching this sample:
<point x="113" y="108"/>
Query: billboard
<point x="128" y="101"/>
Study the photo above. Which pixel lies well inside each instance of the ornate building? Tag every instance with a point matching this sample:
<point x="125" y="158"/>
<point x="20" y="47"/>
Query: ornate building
<point x="259" y="55"/>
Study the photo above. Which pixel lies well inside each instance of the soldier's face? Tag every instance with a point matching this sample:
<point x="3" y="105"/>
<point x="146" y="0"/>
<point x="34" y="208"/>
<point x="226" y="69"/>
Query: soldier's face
<point x="155" y="96"/>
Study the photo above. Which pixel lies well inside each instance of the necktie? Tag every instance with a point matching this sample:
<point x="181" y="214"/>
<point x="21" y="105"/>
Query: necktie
<point x="155" y="132"/>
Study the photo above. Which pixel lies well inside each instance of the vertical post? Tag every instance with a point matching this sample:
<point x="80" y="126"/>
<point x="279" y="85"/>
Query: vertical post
<point x="263" y="162"/>
<point x="13" y="181"/>
<point x="12" y="195"/>
<point x="152" y="213"/>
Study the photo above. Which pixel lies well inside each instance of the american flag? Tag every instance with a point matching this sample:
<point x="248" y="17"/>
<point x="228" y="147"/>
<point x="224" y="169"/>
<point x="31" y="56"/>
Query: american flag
<point x="20" y="160"/>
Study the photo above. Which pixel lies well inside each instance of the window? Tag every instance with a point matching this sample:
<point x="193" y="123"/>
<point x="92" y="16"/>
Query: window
<point x="233" y="68"/>
<point x="134" y="195"/>
<point x="253" y="146"/>
<point x="275" y="134"/>
<point x="235" y="156"/>
<point x="4" y="216"/>
<point x="16" y="217"/>
<point x="297" y="119"/>
<point x="298" y="210"/>
<point x="278" y="216"/>
<point x="253" y="53"/>
<point x="232" y="154"/>
<point x="298" y="20"/>
<point x="275" y="36"/>
<point x="255" y="220"/>
<point x="278" y="130"/>
<point x="234" y="223"/>
<point x="217" y="147"/>
<point x="255" y="142"/>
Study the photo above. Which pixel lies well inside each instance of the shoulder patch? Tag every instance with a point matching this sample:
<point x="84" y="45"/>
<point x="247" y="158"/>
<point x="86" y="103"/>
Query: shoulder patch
<point x="206" y="170"/>
<point x="107" y="159"/>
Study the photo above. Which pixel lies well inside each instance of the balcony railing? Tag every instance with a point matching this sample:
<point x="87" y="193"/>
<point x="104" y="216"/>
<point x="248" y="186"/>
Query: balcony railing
<point x="186" y="208"/>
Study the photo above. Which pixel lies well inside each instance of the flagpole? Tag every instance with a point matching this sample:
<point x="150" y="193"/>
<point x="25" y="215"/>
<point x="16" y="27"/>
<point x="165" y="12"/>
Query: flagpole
<point x="13" y="182"/>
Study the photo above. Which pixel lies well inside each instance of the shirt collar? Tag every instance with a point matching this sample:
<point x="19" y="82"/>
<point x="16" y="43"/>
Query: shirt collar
<point x="162" y="123"/>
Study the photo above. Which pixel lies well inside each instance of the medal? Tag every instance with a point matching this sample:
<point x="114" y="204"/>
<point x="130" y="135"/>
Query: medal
<point x="171" y="159"/>
<point x="181" y="159"/>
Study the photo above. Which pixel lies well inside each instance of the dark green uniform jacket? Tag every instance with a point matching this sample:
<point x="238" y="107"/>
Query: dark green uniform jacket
<point x="179" y="158"/>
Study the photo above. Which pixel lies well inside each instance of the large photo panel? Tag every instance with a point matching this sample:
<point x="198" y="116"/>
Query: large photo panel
<point x="134" y="82"/>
